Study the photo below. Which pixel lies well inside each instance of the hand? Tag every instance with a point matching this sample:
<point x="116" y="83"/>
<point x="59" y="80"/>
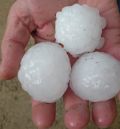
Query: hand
<point x="36" y="18"/>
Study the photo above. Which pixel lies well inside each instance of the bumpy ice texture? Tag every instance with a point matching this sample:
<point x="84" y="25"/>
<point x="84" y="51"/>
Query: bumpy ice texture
<point x="96" y="77"/>
<point x="44" y="72"/>
<point x="79" y="28"/>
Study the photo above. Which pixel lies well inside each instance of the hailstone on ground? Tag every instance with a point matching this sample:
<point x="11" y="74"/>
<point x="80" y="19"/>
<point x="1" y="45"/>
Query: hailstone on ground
<point x="79" y="29"/>
<point x="96" y="77"/>
<point x="45" y="71"/>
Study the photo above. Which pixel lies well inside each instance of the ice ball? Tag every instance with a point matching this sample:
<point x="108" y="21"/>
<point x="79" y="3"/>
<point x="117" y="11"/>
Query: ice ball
<point x="96" y="77"/>
<point x="79" y="28"/>
<point x="45" y="72"/>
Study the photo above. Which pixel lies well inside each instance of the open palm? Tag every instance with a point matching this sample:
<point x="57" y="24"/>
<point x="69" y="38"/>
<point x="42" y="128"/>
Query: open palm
<point x="37" y="18"/>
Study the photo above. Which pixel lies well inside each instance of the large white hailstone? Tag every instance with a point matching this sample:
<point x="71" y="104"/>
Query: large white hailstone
<point x="79" y="29"/>
<point x="96" y="77"/>
<point x="45" y="71"/>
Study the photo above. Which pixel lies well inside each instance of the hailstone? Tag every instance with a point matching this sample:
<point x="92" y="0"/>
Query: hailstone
<point x="45" y="72"/>
<point x="96" y="77"/>
<point x="79" y="28"/>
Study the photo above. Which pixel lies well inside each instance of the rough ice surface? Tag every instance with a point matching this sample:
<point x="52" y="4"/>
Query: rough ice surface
<point x="45" y="71"/>
<point x="101" y="43"/>
<point x="96" y="77"/>
<point x="79" y="28"/>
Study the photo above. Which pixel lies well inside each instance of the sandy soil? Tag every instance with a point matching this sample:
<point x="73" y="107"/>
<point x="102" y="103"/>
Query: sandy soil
<point x="15" y="104"/>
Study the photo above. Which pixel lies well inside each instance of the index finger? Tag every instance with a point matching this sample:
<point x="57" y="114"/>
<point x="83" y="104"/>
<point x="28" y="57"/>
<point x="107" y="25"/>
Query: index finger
<point x="14" y="42"/>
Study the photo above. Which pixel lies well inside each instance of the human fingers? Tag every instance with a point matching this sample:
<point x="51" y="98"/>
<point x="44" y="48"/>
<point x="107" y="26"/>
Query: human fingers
<point x="76" y="114"/>
<point x="104" y="113"/>
<point x="14" y="42"/>
<point x="43" y="114"/>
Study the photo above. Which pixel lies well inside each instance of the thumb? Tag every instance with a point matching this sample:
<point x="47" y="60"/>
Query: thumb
<point x="14" y="41"/>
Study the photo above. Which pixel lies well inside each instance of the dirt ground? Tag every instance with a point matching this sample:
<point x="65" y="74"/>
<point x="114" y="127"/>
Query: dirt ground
<point x="15" y="104"/>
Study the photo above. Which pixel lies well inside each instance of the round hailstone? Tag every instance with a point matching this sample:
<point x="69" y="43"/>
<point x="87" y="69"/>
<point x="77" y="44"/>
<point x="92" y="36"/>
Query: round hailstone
<point x="96" y="77"/>
<point x="79" y="29"/>
<point x="44" y="72"/>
